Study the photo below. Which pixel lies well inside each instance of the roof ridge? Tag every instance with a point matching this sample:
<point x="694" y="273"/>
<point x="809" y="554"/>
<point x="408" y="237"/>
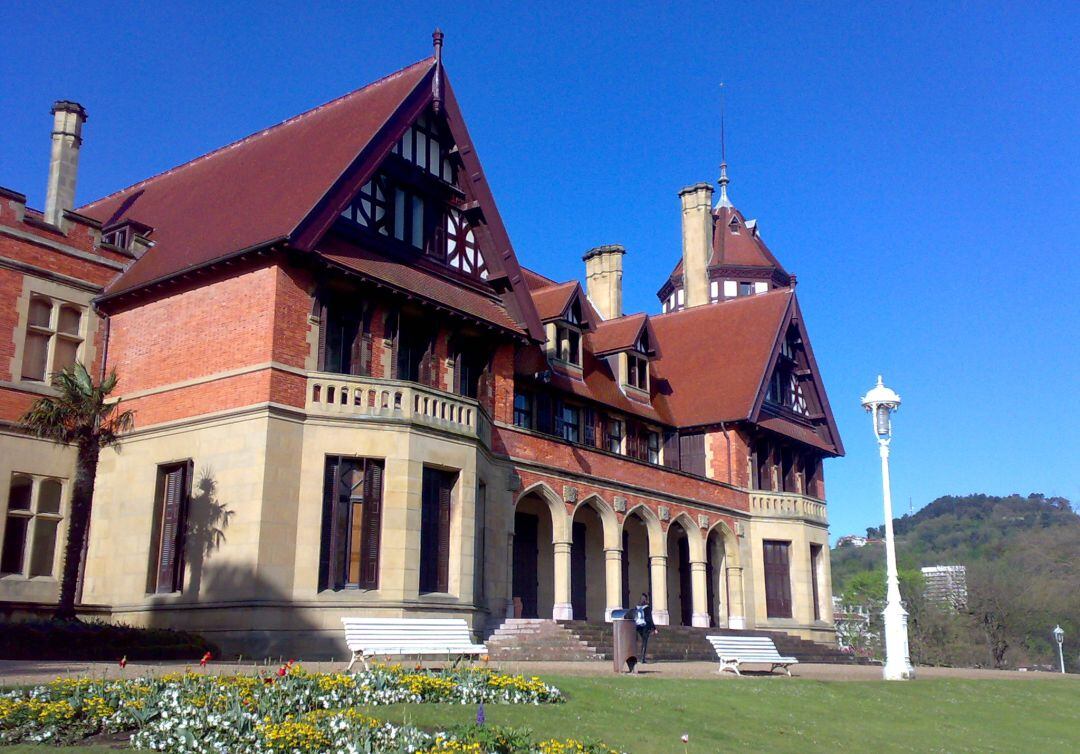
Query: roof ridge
<point x="261" y="132"/>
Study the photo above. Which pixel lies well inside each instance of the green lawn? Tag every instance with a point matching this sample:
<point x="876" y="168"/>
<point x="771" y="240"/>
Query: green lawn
<point x="646" y="715"/>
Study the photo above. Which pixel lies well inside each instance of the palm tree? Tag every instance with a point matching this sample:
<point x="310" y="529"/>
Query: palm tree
<point x="82" y="415"/>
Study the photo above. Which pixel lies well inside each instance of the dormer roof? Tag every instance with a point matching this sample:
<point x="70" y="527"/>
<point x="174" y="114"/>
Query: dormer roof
<point x="622" y="334"/>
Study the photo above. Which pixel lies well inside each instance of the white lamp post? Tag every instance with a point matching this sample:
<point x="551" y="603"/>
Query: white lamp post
<point x="1059" y="635"/>
<point x="881" y="402"/>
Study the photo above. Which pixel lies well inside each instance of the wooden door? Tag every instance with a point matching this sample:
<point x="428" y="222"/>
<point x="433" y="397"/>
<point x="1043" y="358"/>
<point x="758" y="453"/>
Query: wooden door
<point x="526" y="557"/>
<point x="577" y="571"/>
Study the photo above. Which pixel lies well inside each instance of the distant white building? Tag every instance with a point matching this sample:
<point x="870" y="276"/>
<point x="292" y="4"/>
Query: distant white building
<point x="946" y="584"/>
<point x="851" y="540"/>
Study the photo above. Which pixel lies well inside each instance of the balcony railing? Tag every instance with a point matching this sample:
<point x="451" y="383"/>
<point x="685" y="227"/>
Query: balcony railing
<point x="787" y="505"/>
<point x="377" y="399"/>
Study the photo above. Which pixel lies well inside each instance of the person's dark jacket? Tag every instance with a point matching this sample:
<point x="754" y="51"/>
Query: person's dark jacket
<point x="649" y="625"/>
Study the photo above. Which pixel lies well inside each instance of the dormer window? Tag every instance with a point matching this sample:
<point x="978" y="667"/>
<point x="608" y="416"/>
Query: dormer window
<point x="637" y="371"/>
<point x="746" y="289"/>
<point x="637" y="363"/>
<point x="733" y="226"/>
<point x="120" y="237"/>
<point x="568" y="344"/>
<point x="568" y="335"/>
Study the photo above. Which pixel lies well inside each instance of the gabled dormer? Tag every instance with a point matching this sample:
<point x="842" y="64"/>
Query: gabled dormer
<point x="628" y="343"/>
<point x="566" y="317"/>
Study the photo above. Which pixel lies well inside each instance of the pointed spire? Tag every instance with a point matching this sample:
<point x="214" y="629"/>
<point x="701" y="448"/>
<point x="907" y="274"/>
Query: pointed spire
<point x="436" y="83"/>
<point x="723" y="201"/>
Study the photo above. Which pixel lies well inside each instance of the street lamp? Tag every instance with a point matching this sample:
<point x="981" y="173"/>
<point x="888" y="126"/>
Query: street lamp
<point x="1059" y="635"/>
<point x="880" y="402"/>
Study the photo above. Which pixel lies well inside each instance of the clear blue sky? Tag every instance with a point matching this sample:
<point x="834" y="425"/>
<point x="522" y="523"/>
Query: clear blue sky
<point x="917" y="166"/>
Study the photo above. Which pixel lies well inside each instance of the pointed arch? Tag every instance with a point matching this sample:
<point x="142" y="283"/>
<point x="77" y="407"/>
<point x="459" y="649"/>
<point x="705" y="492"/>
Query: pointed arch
<point x="657" y="537"/>
<point x="560" y="530"/>
<point x="731" y="542"/>
<point x="612" y="529"/>
<point x="693" y="535"/>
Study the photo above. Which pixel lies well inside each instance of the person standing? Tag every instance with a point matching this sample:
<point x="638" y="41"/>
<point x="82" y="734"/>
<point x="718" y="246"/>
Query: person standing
<point x="644" y="622"/>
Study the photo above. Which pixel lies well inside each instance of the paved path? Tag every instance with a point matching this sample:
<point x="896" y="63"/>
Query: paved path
<point x="17" y="672"/>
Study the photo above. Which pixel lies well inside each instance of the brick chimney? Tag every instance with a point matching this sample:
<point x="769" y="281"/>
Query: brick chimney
<point x="603" y="279"/>
<point x="696" y="241"/>
<point x="68" y="119"/>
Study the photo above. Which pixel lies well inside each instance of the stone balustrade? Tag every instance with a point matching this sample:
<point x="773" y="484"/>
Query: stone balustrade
<point x="377" y="399"/>
<point x="787" y="505"/>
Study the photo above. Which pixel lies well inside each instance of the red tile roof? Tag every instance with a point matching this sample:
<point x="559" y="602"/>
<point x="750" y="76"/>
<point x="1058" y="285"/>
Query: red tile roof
<point x="614" y="335"/>
<point x="418" y="282"/>
<point x="256" y="190"/>
<point x="742" y="249"/>
<point x="712" y="359"/>
<point x="551" y="301"/>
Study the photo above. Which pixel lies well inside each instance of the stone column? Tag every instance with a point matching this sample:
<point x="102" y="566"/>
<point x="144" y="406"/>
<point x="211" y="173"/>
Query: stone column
<point x="658" y="570"/>
<point x="613" y="580"/>
<point x="699" y="588"/>
<point x="736" y="616"/>
<point x="563" y="609"/>
<point x="510" y="575"/>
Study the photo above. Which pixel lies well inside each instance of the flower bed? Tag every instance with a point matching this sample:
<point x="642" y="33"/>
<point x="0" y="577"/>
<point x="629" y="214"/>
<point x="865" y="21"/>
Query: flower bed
<point x="290" y="711"/>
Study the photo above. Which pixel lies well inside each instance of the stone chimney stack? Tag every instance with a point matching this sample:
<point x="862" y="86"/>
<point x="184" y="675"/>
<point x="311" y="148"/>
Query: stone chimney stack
<point x="603" y="279"/>
<point x="68" y="119"/>
<point x="697" y="232"/>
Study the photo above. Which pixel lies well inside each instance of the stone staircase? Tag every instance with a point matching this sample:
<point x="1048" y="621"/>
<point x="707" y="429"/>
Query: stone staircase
<point x="532" y="639"/>
<point x="537" y="639"/>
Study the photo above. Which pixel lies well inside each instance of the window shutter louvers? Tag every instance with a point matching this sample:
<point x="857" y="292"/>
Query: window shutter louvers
<point x="692" y="453"/>
<point x="445" y="490"/>
<point x="543" y="413"/>
<point x="327" y="580"/>
<point x="170" y="556"/>
<point x="324" y="325"/>
<point x="671" y="450"/>
<point x="372" y="525"/>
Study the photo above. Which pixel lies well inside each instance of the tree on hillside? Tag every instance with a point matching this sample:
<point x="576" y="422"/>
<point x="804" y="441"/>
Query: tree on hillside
<point x="82" y="415"/>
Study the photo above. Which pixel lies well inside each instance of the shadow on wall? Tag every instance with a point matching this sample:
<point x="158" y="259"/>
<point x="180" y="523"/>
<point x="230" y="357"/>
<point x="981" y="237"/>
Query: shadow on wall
<point x="230" y="603"/>
<point x="207" y="520"/>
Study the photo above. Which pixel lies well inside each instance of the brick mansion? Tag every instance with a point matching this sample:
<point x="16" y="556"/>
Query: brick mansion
<point x="351" y="397"/>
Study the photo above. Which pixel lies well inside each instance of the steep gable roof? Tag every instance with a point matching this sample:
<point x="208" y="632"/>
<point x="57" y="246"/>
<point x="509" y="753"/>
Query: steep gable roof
<point x="256" y="190"/>
<point x="715" y="362"/>
<point x="714" y="358"/>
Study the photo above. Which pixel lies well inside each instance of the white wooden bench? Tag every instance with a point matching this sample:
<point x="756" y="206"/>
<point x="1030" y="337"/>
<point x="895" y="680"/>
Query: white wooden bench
<point x="734" y="651"/>
<point x="394" y="637"/>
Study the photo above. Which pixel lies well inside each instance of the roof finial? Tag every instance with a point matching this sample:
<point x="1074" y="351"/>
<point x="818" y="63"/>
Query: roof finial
<point x="723" y="201"/>
<point x="436" y="83"/>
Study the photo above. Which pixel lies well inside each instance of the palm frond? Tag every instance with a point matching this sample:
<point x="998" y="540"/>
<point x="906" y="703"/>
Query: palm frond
<point x="80" y="412"/>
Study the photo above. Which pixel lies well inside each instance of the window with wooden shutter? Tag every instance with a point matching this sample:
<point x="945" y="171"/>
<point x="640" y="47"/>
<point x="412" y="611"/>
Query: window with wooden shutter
<point x="170" y="527"/>
<point x="480" y="543"/>
<point x="815" y="564"/>
<point x="671" y="450"/>
<point x="435" y="501"/>
<point x="692" y="452"/>
<point x="351" y="523"/>
<point x="544" y="418"/>
<point x="777" y="578"/>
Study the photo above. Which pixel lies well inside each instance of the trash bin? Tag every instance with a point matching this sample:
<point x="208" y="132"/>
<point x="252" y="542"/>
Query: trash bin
<point x="624" y="635"/>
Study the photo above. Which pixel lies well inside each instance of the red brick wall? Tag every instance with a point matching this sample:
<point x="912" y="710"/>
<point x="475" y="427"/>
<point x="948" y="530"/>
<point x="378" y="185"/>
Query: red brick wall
<point x="581" y="460"/>
<point x="730" y="456"/>
<point x="221" y="325"/>
<point x="584" y="490"/>
<point x="292" y="316"/>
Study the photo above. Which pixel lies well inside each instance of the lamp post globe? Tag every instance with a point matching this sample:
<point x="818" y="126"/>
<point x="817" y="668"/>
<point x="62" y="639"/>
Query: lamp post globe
<point x="1059" y="637"/>
<point x="880" y="402"/>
